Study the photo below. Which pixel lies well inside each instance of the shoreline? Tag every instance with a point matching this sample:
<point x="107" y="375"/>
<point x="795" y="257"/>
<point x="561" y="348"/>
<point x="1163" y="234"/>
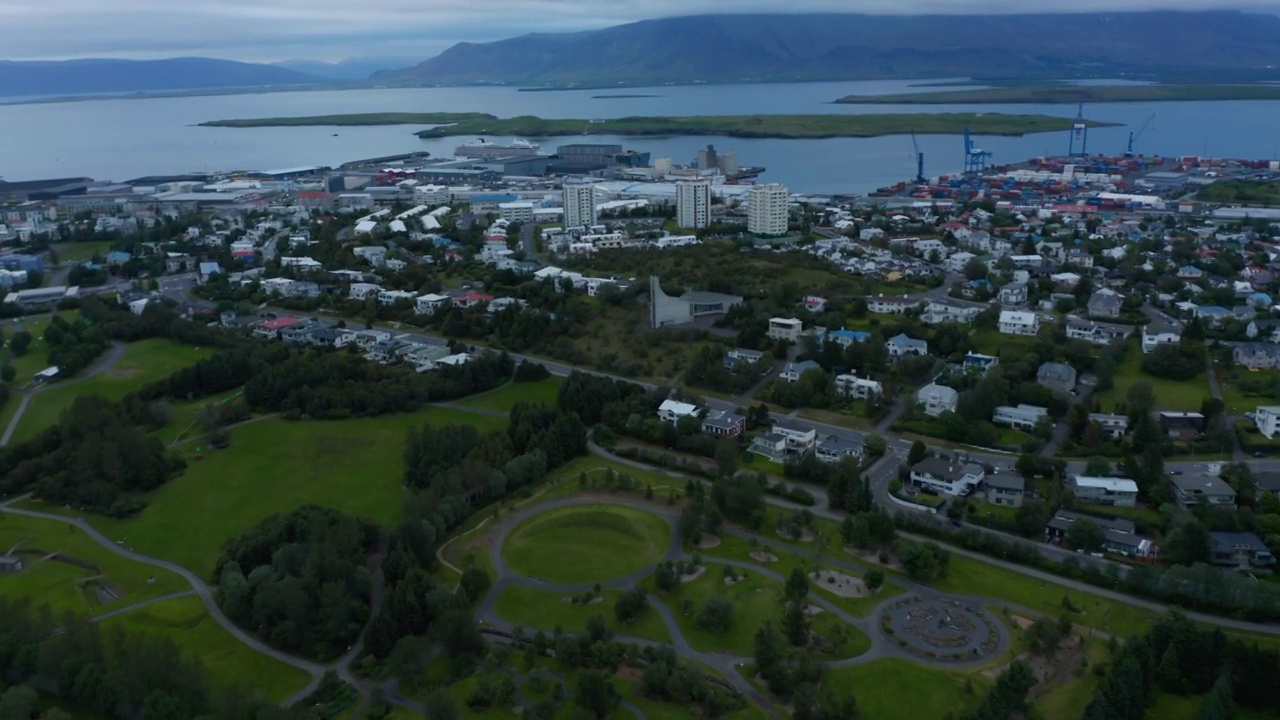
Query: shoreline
<point x="1073" y="94"/>
<point x="780" y="127"/>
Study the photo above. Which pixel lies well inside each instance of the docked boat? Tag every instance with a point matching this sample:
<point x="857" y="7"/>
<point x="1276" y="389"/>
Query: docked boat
<point x="481" y="148"/>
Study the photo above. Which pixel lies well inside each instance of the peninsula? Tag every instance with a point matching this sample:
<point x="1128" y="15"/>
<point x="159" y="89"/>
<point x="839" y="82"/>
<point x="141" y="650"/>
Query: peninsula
<point x="742" y="126"/>
<point x="1073" y="94"/>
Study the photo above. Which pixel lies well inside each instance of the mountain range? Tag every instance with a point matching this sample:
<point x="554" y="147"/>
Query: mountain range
<point x="355" y="68"/>
<point x="1213" y="46"/>
<point x="102" y="76"/>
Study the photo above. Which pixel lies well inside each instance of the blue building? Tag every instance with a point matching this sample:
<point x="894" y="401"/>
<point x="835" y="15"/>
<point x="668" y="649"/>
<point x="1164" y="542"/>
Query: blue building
<point x="22" y="262"/>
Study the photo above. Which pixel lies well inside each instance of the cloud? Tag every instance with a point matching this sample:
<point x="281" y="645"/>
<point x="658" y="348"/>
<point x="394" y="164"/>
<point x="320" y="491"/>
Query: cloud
<point x="333" y="29"/>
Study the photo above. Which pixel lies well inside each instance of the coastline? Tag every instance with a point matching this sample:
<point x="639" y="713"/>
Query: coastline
<point x="782" y="127"/>
<point x="1072" y="94"/>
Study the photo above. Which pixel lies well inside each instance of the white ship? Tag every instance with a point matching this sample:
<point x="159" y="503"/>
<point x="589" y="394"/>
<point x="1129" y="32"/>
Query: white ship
<point x="481" y="148"/>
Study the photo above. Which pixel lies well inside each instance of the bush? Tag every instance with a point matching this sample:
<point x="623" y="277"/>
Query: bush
<point x="716" y="615"/>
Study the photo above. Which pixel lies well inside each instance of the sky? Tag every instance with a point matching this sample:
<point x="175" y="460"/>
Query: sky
<point x="269" y="30"/>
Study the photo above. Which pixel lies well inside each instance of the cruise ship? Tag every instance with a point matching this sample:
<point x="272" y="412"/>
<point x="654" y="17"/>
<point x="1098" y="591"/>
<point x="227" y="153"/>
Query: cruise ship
<point x="481" y="148"/>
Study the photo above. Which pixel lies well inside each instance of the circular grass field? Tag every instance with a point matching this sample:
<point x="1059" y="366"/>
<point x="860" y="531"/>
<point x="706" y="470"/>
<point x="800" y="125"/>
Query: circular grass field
<point x="586" y="543"/>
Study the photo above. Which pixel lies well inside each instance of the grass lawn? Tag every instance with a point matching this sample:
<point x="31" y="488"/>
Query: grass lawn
<point x="838" y="419"/>
<point x="275" y="465"/>
<point x="1003" y="512"/>
<point x="80" y="251"/>
<point x="586" y="543"/>
<point x="62" y="586"/>
<point x="1068" y="699"/>
<point x="965" y="575"/>
<point x="229" y="662"/>
<point x="143" y="362"/>
<point x="545" y="610"/>
<point x="1170" y="394"/>
<point x="1240" y="400"/>
<point x="755" y="600"/>
<point x="894" y="689"/>
<point x="183" y="425"/>
<point x="504" y="398"/>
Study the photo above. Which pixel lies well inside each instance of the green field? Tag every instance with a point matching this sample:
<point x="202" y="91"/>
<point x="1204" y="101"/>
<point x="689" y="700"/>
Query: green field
<point x="143" y="362"/>
<point x="275" y="465"/>
<point x="968" y="576"/>
<point x="80" y="251"/>
<point x="67" y="588"/>
<point x="745" y="126"/>
<point x="1241" y="192"/>
<point x="1047" y="94"/>
<point x="1170" y="394"/>
<point x="894" y="689"/>
<point x="504" y="398"/>
<point x="546" y="610"/>
<point x="186" y="622"/>
<point x="586" y="543"/>
<point x="756" y="599"/>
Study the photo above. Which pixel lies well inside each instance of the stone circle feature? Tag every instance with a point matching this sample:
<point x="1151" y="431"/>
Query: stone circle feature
<point x="941" y="628"/>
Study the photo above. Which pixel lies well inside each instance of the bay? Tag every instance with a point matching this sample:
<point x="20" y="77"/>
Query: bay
<point x="124" y="138"/>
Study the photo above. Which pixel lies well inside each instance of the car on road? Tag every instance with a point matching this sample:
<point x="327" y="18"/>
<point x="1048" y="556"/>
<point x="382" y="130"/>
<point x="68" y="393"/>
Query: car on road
<point x="1175" y="472"/>
<point x="1259" y="454"/>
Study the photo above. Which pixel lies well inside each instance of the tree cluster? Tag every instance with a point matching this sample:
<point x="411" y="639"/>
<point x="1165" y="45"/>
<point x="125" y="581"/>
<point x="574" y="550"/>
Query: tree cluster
<point x="300" y="580"/>
<point x="73" y="346"/>
<point x="120" y="676"/>
<point x="96" y="458"/>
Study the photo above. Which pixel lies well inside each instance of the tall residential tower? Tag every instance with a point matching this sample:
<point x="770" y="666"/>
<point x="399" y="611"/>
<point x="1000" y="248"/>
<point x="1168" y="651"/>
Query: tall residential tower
<point x="693" y="203"/>
<point x="579" y="204"/>
<point x="767" y="209"/>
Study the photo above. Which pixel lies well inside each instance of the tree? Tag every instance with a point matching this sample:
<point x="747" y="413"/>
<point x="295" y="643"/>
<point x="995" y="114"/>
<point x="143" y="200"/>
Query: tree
<point x="596" y="693"/>
<point x="8" y="373"/>
<point x="797" y="587"/>
<point x="1097" y="467"/>
<point x="474" y="584"/>
<point x="1169" y="671"/>
<point x="440" y="706"/>
<point x="795" y="623"/>
<point x="1084" y="534"/>
<point x="873" y="579"/>
<point x="917" y="453"/>
<point x="631" y="605"/>
<point x="876" y="446"/>
<point x="1188" y="543"/>
<point x="20" y="343"/>
<point x="726" y="456"/>
<point x="766" y="651"/>
<point x="716" y="614"/>
<point x="18" y="702"/>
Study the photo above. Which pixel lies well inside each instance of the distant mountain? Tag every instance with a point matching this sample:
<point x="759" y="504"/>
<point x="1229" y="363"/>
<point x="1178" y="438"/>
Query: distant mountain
<point x="742" y="48"/>
<point x="356" y="68"/>
<point x="91" y="77"/>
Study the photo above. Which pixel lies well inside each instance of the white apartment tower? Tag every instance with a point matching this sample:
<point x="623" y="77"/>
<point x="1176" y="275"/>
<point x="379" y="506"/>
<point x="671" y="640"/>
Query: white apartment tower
<point x="579" y="204"/>
<point x="693" y="203"/>
<point x="767" y="209"/>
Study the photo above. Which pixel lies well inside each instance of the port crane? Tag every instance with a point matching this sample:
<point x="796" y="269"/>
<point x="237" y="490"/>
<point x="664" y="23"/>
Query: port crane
<point x="920" y="178"/>
<point x="975" y="160"/>
<point x="1133" y="136"/>
<point x="1080" y="133"/>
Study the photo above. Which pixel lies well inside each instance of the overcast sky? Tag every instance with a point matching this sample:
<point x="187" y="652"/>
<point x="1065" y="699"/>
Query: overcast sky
<point x="268" y="30"/>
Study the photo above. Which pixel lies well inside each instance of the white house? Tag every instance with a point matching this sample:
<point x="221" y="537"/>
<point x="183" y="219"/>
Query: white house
<point x="360" y="291"/>
<point x="1267" y="418"/>
<point x="785" y="329"/>
<point x="430" y="302"/>
<point x="937" y="399"/>
<point x="1151" y="341"/>
<point x="391" y="297"/>
<point x="956" y="262"/>
<point x="1017" y="322"/>
<point x="672" y="411"/>
<point x="901" y="344"/>
<point x="1120" y="492"/>
<point x="852" y="386"/>
<point x="947" y="476"/>
<point x="1023" y="417"/>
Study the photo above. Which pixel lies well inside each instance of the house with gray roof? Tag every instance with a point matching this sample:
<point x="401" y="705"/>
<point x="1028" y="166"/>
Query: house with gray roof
<point x="902" y="345"/>
<point x="1105" y="303"/>
<point x="1058" y="377"/>
<point x="1004" y="488"/>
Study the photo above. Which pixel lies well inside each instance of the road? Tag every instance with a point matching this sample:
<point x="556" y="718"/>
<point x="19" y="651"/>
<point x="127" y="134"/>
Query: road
<point x="199" y="589"/>
<point x="99" y="366"/>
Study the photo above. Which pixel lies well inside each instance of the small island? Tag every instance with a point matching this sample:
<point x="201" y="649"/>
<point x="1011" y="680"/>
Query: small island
<point x="622" y="97"/>
<point x="1072" y="94"/>
<point x="785" y="127"/>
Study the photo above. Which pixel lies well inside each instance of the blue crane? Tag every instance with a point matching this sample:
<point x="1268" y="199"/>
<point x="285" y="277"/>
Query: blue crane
<point x="975" y="160"/>
<point x="1133" y="136"/>
<point x="920" y="178"/>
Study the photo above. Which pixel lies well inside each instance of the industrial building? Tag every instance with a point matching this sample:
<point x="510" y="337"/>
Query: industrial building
<point x="667" y="311"/>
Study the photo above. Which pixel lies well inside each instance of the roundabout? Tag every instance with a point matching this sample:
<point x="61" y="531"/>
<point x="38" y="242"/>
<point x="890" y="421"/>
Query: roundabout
<point x="942" y="628"/>
<point x="586" y="543"/>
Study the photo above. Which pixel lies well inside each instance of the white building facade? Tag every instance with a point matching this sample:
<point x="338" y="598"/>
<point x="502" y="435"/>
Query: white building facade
<point x="693" y="203"/>
<point x="767" y="209"/>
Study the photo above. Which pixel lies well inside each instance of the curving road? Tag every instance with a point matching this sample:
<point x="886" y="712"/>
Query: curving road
<point x="726" y="664"/>
<point x="98" y="367"/>
<point x="199" y="588"/>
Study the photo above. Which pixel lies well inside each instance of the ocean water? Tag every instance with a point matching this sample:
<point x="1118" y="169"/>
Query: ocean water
<point x="118" y="139"/>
